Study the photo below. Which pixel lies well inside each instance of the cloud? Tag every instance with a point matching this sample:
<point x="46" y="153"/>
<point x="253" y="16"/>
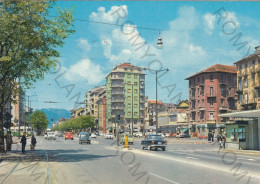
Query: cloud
<point x="85" y="70"/>
<point x="84" y="45"/>
<point x="209" y="21"/>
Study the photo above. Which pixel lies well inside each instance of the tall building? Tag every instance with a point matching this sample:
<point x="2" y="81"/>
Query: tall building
<point x="126" y="97"/>
<point x="211" y="92"/>
<point x="248" y="87"/>
<point x="91" y="99"/>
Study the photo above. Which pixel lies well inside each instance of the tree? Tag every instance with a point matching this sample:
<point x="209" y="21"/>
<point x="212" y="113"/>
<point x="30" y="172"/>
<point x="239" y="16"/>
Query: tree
<point x="29" y="43"/>
<point x="39" y="121"/>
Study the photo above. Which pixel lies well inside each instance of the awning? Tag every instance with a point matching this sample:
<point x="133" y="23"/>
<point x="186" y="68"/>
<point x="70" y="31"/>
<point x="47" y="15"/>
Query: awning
<point x="242" y="114"/>
<point x="184" y="129"/>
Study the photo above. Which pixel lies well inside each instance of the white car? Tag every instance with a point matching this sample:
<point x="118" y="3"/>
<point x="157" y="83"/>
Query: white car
<point x="45" y="136"/>
<point x="51" y="135"/>
<point x="138" y="134"/>
<point x="109" y="136"/>
<point x="93" y="135"/>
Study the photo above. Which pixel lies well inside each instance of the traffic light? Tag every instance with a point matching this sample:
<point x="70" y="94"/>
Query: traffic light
<point x="118" y="117"/>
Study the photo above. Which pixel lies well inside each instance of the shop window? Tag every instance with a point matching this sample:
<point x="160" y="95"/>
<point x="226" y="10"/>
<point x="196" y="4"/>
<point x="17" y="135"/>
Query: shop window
<point x="242" y="134"/>
<point x="233" y="135"/>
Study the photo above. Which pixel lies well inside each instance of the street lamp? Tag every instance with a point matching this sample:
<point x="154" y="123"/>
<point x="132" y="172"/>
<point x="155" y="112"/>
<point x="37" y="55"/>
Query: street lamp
<point x="156" y="79"/>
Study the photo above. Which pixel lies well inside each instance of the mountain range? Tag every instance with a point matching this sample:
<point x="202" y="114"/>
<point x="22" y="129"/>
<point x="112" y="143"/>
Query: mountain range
<point x="53" y="115"/>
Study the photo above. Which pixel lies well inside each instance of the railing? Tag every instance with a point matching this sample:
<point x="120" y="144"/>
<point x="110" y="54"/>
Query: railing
<point x="211" y="94"/>
<point x="117" y="85"/>
<point x="202" y="108"/>
<point x="223" y="108"/>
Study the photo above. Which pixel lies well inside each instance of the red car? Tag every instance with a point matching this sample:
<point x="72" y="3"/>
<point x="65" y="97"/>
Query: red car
<point x="68" y="135"/>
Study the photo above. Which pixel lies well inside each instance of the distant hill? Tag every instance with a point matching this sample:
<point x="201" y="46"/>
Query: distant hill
<point x="54" y="115"/>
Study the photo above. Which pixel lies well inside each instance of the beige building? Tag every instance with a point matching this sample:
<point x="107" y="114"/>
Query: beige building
<point x="248" y="81"/>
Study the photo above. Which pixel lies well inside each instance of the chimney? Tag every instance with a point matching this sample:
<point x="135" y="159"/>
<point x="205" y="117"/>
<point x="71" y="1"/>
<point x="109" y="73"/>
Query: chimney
<point x="257" y="48"/>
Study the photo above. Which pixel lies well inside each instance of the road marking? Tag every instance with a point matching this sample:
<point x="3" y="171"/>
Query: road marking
<point x="251" y="159"/>
<point x="170" y="181"/>
<point x="191" y="158"/>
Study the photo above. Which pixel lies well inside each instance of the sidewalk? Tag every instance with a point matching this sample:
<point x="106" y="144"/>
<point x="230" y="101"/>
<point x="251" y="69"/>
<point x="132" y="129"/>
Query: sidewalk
<point x="246" y="152"/>
<point x="187" y="141"/>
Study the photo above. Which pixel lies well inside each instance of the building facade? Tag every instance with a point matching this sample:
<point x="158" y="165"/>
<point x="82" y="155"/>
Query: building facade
<point x="248" y="77"/>
<point x="126" y="97"/>
<point x="211" y="92"/>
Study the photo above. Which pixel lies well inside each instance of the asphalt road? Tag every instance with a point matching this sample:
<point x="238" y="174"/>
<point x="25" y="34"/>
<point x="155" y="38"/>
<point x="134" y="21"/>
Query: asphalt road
<point x="104" y="163"/>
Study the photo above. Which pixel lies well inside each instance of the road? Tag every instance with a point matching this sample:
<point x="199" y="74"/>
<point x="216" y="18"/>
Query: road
<point x="103" y="163"/>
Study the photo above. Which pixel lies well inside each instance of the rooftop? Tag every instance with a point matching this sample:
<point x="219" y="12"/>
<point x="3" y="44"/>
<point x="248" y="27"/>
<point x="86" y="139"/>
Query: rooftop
<point x="154" y="102"/>
<point x="125" y="65"/>
<point x="257" y="53"/>
<point x="217" y="68"/>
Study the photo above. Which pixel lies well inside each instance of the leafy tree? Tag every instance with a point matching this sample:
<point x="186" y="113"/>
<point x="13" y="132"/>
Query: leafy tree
<point x="29" y="43"/>
<point x="39" y="121"/>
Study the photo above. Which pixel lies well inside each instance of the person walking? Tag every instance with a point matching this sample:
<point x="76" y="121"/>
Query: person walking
<point x="219" y="137"/>
<point x="23" y="141"/>
<point x="9" y="141"/>
<point x="224" y="139"/>
<point x="33" y="143"/>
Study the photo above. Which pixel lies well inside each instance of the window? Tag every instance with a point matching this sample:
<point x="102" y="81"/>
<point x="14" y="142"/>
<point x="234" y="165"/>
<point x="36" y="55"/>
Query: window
<point x="135" y="83"/>
<point x="233" y="135"/>
<point x="239" y="67"/>
<point x="198" y="91"/>
<point x="125" y="69"/>
<point x="129" y="75"/>
<point x="129" y="90"/>
<point x="245" y="81"/>
<point x="129" y="105"/>
<point x="229" y="91"/>
<point x="245" y="65"/>
<point x="222" y="102"/>
<point x="129" y="113"/>
<point x="135" y="76"/>
<point x="198" y="103"/>
<point x="202" y="114"/>
<point x="229" y="78"/>
<point x="211" y="115"/>
<point x="240" y="98"/>
<point x="198" y="79"/>
<point x="222" y="91"/>
<point x="202" y="78"/>
<point x="136" y="114"/>
<point x="211" y="77"/>
<point x="203" y="103"/>
<point x="240" y="84"/>
<point x="135" y="98"/>
<point x="135" y="91"/>
<point x="253" y="63"/>
<point x="211" y="91"/>
<point x="245" y="98"/>
<point x="135" y="105"/>
<point x="128" y="82"/>
<point x="235" y="79"/>
<point x="129" y="98"/>
<point x="253" y="79"/>
<point x="202" y="90"/>
<point x="211" y="102"/>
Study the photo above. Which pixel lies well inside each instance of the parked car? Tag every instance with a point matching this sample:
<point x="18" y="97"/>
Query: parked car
<point x="109" y="136"/>
<point x="96" y="133"/>
<point x="84" y="139"/>
<point x="68" y="135"/>
<point x="51" y="135"/>
<point x="59" y="134"/>
<point x="184" y="135"/>
<point x="161" y="135"/>
<point x="167" y="134"/>
<point x="123" y="136"/>
<point x="154" y="141"/>
<point x="93" y="135"/>
<point x="138" y="134"/>
<point x="45" y="136"/>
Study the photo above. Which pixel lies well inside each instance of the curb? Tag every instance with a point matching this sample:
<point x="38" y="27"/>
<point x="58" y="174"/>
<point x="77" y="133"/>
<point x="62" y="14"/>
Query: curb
<point x="246" y="152"/>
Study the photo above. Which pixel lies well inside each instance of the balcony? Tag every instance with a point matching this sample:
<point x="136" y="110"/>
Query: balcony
<point x="118" y="85"/>
<point x="245" y="72"/>
<point x="193" y="109"/>
<point x="141" y="86"/>
<point x="222" y="82"/>
<point x="211" y="94"/>
<point x="117" y="107"/>
<point x="142" y="94"/>
<point x="223" y="108"/>
<point x="202" y="84"/>
<point x="117" y="100"/>
<point x="117" y="92"/>
<point x="201" y="108"/>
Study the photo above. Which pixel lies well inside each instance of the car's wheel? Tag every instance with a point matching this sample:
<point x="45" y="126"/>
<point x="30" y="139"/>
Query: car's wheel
<point x="163" y="149"/>
<point x="142" y="147"/>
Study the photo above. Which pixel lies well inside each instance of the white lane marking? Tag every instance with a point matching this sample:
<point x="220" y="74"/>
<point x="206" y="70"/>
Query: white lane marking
<point x="191" y="158"/>
<point x="251" y="159"/>
<point x="170" y="181"/>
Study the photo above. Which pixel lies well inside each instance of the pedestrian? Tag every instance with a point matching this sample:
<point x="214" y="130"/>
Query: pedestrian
<point x="33" y="143"/>
<point x="23" y="141"/>
<point x="212" y="136"/>
<point x="9" y="141"/>
<point x="209" y="136"/>
<point x="224" y="139"/>
<point x="220" y="140"/>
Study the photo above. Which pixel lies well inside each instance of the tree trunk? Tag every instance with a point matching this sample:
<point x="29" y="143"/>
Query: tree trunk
<point x="2" y="141"/>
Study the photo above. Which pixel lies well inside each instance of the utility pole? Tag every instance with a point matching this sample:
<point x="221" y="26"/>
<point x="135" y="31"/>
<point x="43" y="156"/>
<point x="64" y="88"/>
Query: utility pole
<point x="156" y="107"/>
<point x="132" y="111"/>
<point x="117" y="132"/>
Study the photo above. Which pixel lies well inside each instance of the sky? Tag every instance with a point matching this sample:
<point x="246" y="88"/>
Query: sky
<point x="195" y="36"/>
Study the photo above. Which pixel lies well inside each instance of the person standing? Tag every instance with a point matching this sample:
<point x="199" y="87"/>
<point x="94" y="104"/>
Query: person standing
<point x="9" y="141"/>
<point x="23" y="141"/>
<point x="33" y="143"/>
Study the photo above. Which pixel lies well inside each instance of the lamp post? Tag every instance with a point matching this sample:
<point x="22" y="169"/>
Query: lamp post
<point x="156" y="93"/>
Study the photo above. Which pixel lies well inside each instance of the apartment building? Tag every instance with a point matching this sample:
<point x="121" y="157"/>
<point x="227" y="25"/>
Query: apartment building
<point x="211" y="92"/>
<point x="126" y="96"/>
<point x="248" y="86"/>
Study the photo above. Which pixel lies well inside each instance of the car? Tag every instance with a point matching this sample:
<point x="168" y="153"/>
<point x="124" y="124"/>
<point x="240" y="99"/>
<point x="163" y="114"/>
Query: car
<point x="184" y="135"/>
<point x="68" y="135"/>
<point x="59" y="134"/>
<point x="51" y="135"/>
<point x="123" y="136"/>
<point x="138" y="134"/>
<point x="93" y="135"/>
<point x="161" y="135"/>
<point x="167" y="134"/>
<point x="154" y="141"/>
<point x="96" y="133"/>
<point x="83" y="134"/>
<point x="45" y="136"/>
<point x="109" y="136"/>
<point x="84" y="139"/>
